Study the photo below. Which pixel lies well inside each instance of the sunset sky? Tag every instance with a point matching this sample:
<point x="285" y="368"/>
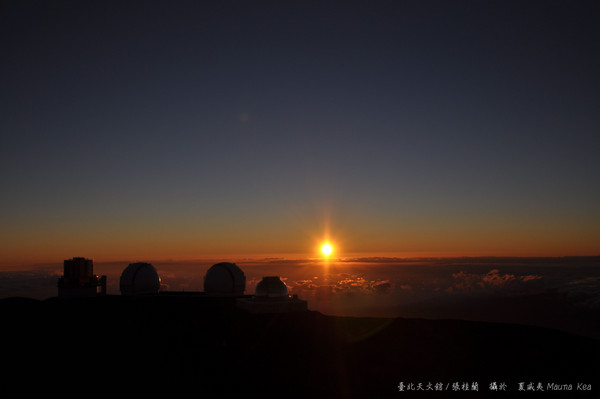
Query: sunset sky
<point x="185" y="129"/>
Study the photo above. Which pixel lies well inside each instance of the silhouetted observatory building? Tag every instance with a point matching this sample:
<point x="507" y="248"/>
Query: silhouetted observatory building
<point x="225" y="280"/>
<point x="271" y="295"/>
<point x="139" y="278"/>
<point x="79" y="280"/>
<point x="223" y="283"/>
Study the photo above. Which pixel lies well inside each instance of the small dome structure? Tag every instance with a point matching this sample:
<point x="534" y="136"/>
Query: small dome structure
<point x="271" y="287"/>
<point x="225" y="279"/>
<point x="139" y="278"/>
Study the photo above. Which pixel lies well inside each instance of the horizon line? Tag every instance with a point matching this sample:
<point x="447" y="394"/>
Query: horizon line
<point x="275" y="259"/>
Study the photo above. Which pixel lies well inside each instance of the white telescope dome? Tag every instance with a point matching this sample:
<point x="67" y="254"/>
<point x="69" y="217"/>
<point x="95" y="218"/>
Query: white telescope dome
<point x="139" y="278"/>
<point x="225" y="279"/>
<point x="271" y="287"/>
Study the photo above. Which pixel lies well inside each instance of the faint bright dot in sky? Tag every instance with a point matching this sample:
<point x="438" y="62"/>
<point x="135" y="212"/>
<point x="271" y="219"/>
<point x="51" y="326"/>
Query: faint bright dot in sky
<point x="244" y="117"/>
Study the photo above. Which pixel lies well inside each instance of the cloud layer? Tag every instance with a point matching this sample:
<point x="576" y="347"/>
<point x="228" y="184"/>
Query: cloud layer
<point x="561" y="295"/>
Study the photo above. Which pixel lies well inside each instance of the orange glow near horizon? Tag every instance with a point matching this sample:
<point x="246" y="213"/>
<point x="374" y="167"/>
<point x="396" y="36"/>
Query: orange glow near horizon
<point x="296" y="239"/>
<point x="24" y="263"/>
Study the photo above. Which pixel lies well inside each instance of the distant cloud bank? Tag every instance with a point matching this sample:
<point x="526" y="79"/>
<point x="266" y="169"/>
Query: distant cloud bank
<point x="556" y="292"/>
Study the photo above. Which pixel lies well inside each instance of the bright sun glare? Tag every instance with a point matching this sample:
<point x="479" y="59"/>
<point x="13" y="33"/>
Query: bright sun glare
<point x="326" y="249"/>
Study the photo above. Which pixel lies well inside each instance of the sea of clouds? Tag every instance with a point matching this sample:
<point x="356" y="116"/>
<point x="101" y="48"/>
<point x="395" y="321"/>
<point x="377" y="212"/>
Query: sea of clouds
<point x="561" y="293"/>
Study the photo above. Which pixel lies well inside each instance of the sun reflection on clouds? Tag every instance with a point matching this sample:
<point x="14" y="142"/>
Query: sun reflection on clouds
<point x="343" y="283"/>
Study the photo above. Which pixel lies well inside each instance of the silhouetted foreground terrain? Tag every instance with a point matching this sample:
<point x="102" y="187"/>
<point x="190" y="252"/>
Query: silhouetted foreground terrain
<point x="170" y="343"/>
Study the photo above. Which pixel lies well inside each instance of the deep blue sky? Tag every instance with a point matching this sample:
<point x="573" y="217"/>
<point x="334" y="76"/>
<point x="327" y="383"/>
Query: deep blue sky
<point x="189" y="128"/>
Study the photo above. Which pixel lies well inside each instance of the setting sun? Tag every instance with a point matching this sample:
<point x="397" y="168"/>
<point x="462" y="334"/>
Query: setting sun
<point x="326" y="249"/>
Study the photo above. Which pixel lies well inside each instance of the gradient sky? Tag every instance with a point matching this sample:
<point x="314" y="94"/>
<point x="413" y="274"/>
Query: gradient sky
<point x="186" y="129"/>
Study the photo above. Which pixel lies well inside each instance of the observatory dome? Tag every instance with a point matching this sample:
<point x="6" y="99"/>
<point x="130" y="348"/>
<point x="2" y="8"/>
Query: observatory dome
<point x="271" y="287"/>
<point x="225" y="279"/>
<point x="139" y="278"/>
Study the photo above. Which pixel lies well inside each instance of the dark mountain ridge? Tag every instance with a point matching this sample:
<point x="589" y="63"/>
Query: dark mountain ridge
<point x="159" y="342"/>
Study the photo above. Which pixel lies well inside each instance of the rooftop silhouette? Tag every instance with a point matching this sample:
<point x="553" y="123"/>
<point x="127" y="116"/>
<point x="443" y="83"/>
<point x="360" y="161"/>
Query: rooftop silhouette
<point x="223" y="280"/>
<point x="79" y="280"/>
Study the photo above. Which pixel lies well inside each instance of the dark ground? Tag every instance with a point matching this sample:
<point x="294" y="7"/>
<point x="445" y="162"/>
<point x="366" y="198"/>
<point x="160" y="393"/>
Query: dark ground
<point x="169" y="344"/>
